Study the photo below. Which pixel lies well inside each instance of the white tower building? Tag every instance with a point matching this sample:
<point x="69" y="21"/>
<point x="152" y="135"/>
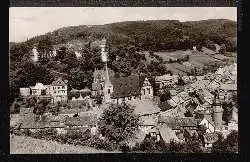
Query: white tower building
<point x="34" y="55"/>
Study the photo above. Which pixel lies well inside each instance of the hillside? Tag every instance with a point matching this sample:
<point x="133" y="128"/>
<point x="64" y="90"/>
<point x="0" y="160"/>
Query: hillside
<point x="134" y="46"/>
<point x="153" y="31"/>
<point x="28" y="145"/>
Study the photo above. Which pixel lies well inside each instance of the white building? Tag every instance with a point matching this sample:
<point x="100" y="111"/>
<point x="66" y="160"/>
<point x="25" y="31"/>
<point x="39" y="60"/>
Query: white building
<point x="39" y="89"/>
<point x="24" y="92"/>
<point x="34" y="55"/>
<point x="58" y="90"/>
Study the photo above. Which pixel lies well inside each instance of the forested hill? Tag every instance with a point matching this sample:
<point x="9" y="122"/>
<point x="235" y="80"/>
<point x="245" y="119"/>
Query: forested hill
<point x="153" y="34"/>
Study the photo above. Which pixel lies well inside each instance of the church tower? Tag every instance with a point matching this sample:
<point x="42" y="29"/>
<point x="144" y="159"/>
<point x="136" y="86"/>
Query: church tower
<point x="108" y="87"/>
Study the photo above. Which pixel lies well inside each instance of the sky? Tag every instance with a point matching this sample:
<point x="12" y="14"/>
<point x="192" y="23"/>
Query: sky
<point x="27" y="22"/>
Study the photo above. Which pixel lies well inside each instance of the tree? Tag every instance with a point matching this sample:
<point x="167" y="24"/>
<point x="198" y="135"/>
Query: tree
<point x="118" y="122"/>
<point x="229" y="145"/>
<point x="231" y="142"/>
<point x="222" y="49"/>
<point x="193" y="145"/>
<point x="201" y="129"/>
<point x="165" y="95"/>
<point x="41" y="107"/>
<point x="188" y="114"/>
<point x="180" y="82"/>
<point x="175" y="147"/>
<point x="44" y="49"/>
<point x="228" y="110"/>
<point x="99" y="99"/>
<point x="77" y="78"/>
<point x="218" y="146"/>
<point x="61" y="52"/>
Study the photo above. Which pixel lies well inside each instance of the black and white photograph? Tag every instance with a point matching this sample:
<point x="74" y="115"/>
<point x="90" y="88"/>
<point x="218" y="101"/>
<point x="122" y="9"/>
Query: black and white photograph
<point x="87" y="80"/>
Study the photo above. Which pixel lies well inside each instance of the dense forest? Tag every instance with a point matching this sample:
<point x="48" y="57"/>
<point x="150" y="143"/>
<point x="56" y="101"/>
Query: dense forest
<point x="125" y="41"/>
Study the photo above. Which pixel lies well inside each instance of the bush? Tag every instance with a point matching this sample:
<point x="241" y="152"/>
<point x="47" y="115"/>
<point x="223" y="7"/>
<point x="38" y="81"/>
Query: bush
<point x="118" y="122"/>
<point x="98" y="143"/>
<point x="16" y="108"/>
<point x="124" y="147"/>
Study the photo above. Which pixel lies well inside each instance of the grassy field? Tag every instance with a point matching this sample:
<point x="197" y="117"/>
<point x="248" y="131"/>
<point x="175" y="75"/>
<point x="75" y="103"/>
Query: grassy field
<point x="28" y="145"/>
<point x="196" y="59"/>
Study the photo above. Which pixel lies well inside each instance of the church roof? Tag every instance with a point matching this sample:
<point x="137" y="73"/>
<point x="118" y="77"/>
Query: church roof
<point x="125" y="86"/>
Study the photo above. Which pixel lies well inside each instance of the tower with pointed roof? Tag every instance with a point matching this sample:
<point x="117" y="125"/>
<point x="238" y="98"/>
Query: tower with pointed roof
<point x="108" y="87"/>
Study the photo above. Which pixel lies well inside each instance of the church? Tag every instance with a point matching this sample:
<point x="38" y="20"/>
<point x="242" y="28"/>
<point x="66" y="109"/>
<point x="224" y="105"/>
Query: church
<point x="119" y="89"/>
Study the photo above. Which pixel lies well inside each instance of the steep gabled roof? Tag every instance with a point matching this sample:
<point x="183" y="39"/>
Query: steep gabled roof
<point x="58" y="82"/>
<point x="167" y="133"/>
<point x="125" y="86"/>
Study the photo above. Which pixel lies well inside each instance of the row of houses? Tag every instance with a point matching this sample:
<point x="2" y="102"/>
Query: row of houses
<point x="56" y="91"/>
<point x="61" y="123"/>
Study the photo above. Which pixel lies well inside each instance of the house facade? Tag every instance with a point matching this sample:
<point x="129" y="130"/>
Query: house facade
<point x="58" y="91"/>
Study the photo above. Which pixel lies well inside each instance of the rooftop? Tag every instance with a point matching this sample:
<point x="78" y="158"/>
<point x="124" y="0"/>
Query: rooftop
<point x="126" y="86"/>
<point x="58" y="82"/>
<point x="145" y="107"/>
<point x="81" y="121"/>
<point x="177" y="122"/>
<point x="167" y="133"/>
<point x="228" y="87"/>
<point x="39" y="86"/>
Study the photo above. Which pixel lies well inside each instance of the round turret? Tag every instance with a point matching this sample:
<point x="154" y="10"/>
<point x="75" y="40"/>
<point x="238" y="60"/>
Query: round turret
<point x="217" y="112"/>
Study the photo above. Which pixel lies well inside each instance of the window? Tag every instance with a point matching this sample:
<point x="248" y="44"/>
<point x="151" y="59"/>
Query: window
<point x="62" y="87"/>
<point x="58" y="87"/>
<point x="108" y="91"/>
<point x="144" y="91"/>
<point x="148" y="90"/>
<point x="129" y="98"/>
